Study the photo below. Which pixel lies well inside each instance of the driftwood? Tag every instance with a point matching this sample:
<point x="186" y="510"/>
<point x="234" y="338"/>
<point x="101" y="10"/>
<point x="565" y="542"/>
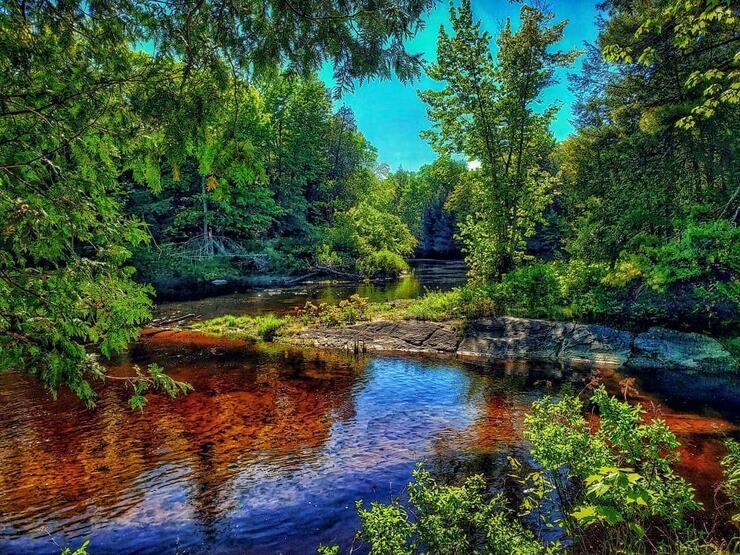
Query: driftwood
<point x="166" y="321"/>
<point x="332" y="271"/>
<point x="301" y="279"/>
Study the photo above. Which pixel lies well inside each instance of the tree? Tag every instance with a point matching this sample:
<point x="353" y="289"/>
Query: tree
<point x="81" y="113"/>
<point x="485" y="112"/>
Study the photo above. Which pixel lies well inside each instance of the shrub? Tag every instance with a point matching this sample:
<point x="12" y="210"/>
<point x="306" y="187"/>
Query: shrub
<point x="446" y="519"/>
<point x="614" y="485"/>
<point x="435" y="305"/>
<point x="612" y="489"/>
<point x="731" y="468"/>
<point x="347" y="312"/>
<point x="382" y="263"/>
<point x="532" y="291"/>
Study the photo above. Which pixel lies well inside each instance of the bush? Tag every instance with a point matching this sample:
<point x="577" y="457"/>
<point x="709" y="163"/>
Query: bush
<point x="532" y="291"/>
<point x="383" y="263"/>
<point x="367" y="240"/>
<point x="446" y="519"/>
<point x="347" y="312"/>
<point x="611" y="490"/>
<point x="614" y="486"/>
<point x="435" y="305"/>
<point x="731" y="468"/>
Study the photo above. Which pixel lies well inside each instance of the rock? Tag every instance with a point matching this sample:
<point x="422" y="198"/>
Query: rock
<point x="660" y="348"/>
<point x="407" y="336"/>
<point x="597" y="345"/>
<point x="522" y="339"/>
<point x="509" y="338"/>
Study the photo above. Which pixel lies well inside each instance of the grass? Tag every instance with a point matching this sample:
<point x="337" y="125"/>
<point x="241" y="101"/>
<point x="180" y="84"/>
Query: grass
<point x="265" y="327"/>
<point x="435" y="305"/>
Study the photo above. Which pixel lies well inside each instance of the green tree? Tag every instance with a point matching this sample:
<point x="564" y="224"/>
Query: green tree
<point x="81" y="113"/>
<point x="485" y="112"/>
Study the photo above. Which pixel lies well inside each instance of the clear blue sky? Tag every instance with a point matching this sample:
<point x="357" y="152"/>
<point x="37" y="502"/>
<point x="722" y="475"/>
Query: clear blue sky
<point x="391" y="115"/>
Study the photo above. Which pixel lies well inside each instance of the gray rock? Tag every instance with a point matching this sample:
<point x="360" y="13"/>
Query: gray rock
<point x="597" y="345"/>
<point x="405" y="336"/>
<point x="660" y="348"/>
<point x="509" y="338"/>
<point x="521" y="339"/>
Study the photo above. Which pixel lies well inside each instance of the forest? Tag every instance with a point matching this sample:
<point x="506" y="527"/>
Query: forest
<point x="151" y="147"/>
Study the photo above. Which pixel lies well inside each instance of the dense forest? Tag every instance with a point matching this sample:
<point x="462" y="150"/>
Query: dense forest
<point x="149" y="143"/>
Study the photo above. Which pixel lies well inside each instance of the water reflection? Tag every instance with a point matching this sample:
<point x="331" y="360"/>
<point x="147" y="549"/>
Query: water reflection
<point x="425" y="275"/>
<point x="267" y="455"/>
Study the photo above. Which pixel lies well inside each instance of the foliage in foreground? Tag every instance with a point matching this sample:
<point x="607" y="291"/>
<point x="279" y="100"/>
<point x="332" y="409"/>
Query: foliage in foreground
<point x="609" y="488"/>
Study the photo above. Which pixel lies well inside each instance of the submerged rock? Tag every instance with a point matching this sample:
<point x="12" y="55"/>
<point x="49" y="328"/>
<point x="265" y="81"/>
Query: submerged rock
<point x="661" y="348"/>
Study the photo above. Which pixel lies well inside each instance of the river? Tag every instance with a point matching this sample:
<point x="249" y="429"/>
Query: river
<point x="271" y="450"/>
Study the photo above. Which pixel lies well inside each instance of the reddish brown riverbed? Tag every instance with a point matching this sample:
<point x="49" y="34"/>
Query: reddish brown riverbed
<point x="271" y="450"/>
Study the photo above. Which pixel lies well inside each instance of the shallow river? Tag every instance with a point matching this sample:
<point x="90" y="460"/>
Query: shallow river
<point x="270" y="452"/>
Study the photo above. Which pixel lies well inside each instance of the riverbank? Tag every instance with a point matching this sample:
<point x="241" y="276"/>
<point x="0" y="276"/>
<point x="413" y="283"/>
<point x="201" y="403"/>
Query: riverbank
<point x="507" y="338"/>
<point x="358" y="326"/>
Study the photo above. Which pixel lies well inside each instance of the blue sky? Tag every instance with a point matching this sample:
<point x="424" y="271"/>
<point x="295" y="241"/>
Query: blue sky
<point x="391" y="115"/>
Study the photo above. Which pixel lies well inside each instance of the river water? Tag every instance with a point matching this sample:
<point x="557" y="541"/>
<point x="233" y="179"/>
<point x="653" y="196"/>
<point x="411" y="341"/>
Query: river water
<point x="271" y="450"/>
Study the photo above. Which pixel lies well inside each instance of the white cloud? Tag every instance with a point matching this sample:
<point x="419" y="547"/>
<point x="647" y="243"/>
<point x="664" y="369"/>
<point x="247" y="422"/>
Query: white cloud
<point x="474" y="165"/>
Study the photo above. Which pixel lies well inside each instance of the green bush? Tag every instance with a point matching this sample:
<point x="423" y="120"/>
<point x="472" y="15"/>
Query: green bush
<point x="612" y="487"/>
<point x="532" y="291"/>
<point x="446" y="519"/>
<point x="366" y="240"/>
<point x="611" y="490"/>
<point x="382" y="263"/>
<point x="731" y="468"/>
<point x="435" y="305"/>
<point x="346" y="312"/>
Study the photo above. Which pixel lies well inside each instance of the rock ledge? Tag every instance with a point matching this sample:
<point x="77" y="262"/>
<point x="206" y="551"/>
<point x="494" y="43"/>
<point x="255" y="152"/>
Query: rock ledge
<point x="508" y="338"/>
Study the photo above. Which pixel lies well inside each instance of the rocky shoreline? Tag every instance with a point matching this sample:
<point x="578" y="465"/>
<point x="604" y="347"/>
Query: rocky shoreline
<point x="508" y="338"/>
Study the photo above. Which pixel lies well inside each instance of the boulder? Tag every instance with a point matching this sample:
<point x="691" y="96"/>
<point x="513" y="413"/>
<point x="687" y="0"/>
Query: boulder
<point x="511" y="338"/>
<point x="596" y="345"/>
<point x="660" y="348"/>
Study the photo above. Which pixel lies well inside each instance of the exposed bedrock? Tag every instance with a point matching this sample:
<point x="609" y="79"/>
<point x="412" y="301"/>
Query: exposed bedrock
<point x="508" y="338"/>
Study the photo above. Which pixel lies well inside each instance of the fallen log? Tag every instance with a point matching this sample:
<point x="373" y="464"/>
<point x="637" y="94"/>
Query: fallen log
<point x="332" y="271"/>
<point x="166" y="321"/>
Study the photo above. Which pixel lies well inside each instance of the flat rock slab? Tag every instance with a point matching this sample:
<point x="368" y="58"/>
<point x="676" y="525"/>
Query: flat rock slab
<point x="596" y="344"/>
<point x="510" y="338"/>
<point x="660" y="348"/>
<point x="406" y="336"/>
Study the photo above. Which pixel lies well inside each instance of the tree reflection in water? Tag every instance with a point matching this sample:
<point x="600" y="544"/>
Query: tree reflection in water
<point x="270" y="451"/>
